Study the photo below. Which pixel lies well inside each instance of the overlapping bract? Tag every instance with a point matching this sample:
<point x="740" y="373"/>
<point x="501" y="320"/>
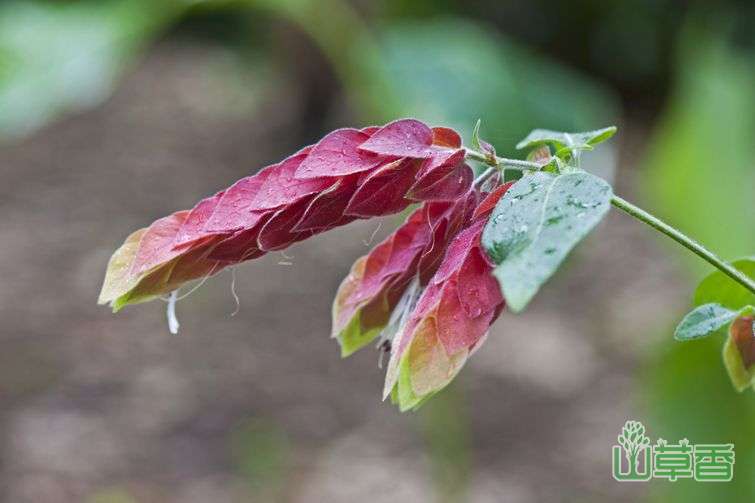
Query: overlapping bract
<point x="372" y="290"/>
<point x="426" y="290"/>
<point x="451" y="318"/>
<point x="349" y="174"/>
<point x="458" y="297"/>
<point x="739" y="351"/>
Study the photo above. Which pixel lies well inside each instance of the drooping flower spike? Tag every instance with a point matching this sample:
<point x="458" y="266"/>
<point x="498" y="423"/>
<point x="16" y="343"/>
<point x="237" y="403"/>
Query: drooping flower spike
<point x="431" y="290"/>
<point x="450" y="320"/>
<point x="349" y="174"/>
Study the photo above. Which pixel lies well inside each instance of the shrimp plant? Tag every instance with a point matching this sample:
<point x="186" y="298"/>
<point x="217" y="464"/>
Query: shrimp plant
<point x="477" y="241"/>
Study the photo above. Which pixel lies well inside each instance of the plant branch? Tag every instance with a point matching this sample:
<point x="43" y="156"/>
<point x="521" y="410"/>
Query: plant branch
<point x="639" y="214"/>
<point x="483" y="175"/>
<point x="503" y="162"/>
<point x="685" y="241"/>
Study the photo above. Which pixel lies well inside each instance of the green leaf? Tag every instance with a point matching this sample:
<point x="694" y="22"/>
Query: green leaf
<point x="566" y="142"/>
<point x="703" y="321"/>
<point x="476" y="136"/>
<point x="719" y="288"/>
<point x="535" y="225"/>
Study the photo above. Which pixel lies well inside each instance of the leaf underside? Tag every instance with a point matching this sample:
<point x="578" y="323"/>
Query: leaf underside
<point x="703" y="321"/>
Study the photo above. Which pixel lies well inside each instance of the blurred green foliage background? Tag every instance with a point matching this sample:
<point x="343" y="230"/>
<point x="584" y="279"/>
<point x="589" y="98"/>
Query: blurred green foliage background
<point x="677" y="77"/>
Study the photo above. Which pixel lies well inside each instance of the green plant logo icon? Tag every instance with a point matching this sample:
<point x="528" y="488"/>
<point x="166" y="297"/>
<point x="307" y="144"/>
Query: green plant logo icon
<point x="642" y="460"/>
<point x="637" y="452"/>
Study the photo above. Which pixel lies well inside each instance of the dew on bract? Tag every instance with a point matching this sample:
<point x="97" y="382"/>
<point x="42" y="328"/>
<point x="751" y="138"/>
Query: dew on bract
<point x="474" y="294"/>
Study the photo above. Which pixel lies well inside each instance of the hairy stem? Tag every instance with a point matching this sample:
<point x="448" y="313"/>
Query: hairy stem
<point x="503" y="162"/>
<point x="641" y="215"/>
<point x="483" y="175"/>
<point x="685" y="241"/>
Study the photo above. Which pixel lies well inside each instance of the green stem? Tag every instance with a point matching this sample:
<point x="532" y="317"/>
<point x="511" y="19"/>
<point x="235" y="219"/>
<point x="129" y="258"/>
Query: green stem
<point x="641" y="215"/>
<point x="483" y="175"/>
<point x="503" y="162"/>
<point x="685" y="241"/>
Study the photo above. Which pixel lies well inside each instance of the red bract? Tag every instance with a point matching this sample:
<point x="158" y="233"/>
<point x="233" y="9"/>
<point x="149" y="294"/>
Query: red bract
<point x="739" y="352"/>
<point x="442" y="180"/>
<point x="491" y="199"/>
<point x="743" y="335"/>
<point x="327" y="209"/>
<point x="384" y="190"/>
<point x="349" y="174"/>
<point x="443" y="175"/>
<point x="338" y="154"/>
<point x="411" y="138"/>
<point x="240" y="246"/>
<point x="155" y="246"/>
<point x="370" y="293"/>
<point x="449" y="321"/>
<point x="234" y="210"/>
<point x="196" y="220"/>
